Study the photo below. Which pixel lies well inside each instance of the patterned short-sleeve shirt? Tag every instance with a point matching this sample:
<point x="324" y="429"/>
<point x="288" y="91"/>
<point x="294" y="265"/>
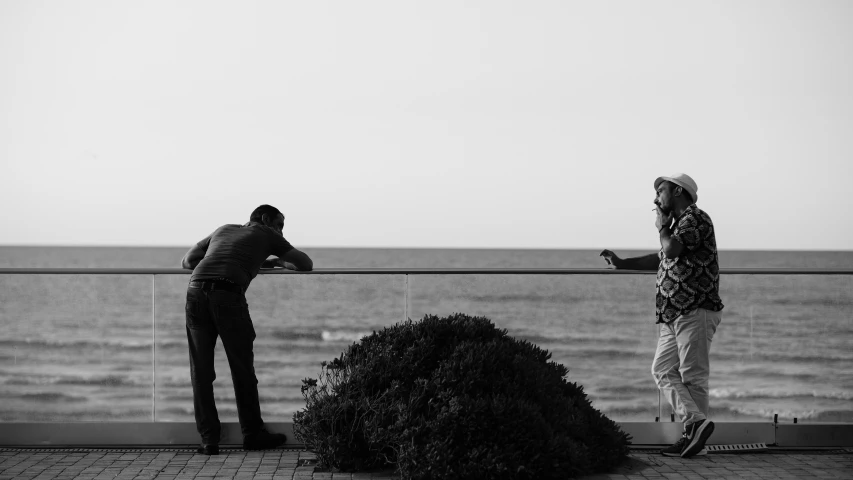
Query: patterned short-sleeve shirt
<point x="691" y="280"/>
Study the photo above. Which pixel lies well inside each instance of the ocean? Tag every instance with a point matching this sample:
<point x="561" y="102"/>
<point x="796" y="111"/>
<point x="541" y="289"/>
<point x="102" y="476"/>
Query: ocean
<point x="113" y="347"/>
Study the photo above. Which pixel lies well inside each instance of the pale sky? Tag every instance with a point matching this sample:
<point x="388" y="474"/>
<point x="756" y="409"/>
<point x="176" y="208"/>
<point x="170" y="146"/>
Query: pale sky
<point x="525" y="124"/>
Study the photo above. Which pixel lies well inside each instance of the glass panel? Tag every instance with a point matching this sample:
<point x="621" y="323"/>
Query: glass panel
<point x="601" y="327"/>
<point x="78" y="347"/>
<point x="299" y="320"/>
<point x="75" y="348"/>
<point x="785" y="346"/>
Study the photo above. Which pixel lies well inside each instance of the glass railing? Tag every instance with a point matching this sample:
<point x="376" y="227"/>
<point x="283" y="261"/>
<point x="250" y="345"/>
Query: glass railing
<point x="110" y="344"/>
<point x="76" y="347"/>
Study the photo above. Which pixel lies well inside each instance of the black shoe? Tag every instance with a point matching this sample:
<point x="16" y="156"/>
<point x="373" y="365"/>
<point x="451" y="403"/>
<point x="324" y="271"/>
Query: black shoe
<point x="698" y="434"/>
<point x="676" y="448"/>
<point x="263" y="440"/>
<point x="208" y="449"/>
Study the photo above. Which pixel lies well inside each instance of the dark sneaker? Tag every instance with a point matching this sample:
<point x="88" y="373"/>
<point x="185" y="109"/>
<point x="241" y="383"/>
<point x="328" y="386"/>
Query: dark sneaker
<point x="698" y="435"/>
<point x="206" y="449"/>
<point x="676" y="448"/>
<point x="263" y="440"/>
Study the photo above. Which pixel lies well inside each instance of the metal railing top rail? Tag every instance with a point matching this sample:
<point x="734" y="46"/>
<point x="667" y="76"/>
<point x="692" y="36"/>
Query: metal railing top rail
<point x="422" y="271"/>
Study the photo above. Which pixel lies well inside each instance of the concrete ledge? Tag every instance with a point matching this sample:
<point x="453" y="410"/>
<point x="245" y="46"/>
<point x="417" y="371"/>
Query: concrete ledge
<point x="814" y="435"/>
<point x="123" y="433"/>
<point x="57" y="434"/>
<point x="667" y="433"/>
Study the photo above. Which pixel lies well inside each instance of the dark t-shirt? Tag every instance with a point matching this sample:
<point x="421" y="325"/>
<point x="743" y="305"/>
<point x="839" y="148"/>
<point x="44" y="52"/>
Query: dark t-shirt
<point x="236" y="252"/>
<point x="691" y="280"/>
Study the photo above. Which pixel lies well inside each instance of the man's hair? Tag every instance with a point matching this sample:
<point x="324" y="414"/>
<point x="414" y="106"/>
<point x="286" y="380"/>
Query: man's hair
<point x="258" y="213"/>
<point x="684" y="191"/>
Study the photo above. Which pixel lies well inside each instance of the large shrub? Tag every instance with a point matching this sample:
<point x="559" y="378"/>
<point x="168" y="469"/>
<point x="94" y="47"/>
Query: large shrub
<point x="454" y="397"/>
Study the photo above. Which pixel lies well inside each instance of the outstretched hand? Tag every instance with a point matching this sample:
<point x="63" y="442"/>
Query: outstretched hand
<point x="610" y="257"/>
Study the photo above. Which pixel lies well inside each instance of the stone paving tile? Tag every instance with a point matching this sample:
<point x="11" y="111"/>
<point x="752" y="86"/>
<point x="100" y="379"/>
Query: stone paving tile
<point x="285" y="465"/>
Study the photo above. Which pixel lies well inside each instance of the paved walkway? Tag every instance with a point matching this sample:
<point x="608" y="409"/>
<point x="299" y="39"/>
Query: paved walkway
<point x="127" y="464"/>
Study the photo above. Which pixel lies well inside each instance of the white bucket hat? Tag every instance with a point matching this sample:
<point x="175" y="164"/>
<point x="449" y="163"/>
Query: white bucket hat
<point x="682" y="180"/>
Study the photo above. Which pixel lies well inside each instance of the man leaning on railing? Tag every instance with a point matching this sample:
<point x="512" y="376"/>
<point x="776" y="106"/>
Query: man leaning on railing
<point x="223" y="265"/>
<point x="688" y="306"/>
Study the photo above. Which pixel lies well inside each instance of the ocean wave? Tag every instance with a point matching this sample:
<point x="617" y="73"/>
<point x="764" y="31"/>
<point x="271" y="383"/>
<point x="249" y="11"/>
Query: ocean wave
<point x="573" y="340"/>
<point x="626" y="410"/>
<point x="43" y="397"/>
<point x="51" y="397"/>
<point x="343" y="335"/>
<point x="822" y="301"/>
<point x="120" y="343"/>
<point x="276" y="364"/>
<point x="618" y="393"/>
<point x="803" y="358"/>
<point x="624" y="391"/>
<point x="226" y="412"/>
<point x="87" y="415"/>
<point x="105" y="380"/>
<point x="729" y="412"/>
<point x="735" y="393"/>
<point x="530" y="297"/>
<point x="791" y="413"/>
<point x="101" y="380"/>
<point x="296" y="335"/>
<point x="593" y="352"/>
<point x="562" y="339"/>
<point x="184" y="411"/>
<point x="321" y="335"/>
<point x="824" y="358"/>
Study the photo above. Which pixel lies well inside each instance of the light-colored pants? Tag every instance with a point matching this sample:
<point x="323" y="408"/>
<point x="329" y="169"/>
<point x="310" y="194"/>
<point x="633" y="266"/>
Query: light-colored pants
<point x="682" y="367"/>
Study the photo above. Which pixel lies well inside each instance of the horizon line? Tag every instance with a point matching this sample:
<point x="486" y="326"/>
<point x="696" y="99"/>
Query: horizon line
<point x="374" y="247"/>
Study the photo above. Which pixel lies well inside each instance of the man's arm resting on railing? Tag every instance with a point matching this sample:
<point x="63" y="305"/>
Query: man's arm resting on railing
<point x="292" y="260"/>
<point x="645" y="262"/>
<point x="192" y="257"/>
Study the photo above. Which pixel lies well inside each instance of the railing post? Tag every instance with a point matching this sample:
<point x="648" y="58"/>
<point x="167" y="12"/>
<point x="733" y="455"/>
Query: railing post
<point x="154" y="347"/>
<point x="406" y="299"/>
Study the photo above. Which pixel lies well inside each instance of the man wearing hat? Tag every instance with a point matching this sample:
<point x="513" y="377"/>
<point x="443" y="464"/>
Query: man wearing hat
<point x="688" y="306"/>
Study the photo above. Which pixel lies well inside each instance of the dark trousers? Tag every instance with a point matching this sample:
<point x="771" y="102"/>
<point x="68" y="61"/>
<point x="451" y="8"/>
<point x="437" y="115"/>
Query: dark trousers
<point x="212" y="314"/>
